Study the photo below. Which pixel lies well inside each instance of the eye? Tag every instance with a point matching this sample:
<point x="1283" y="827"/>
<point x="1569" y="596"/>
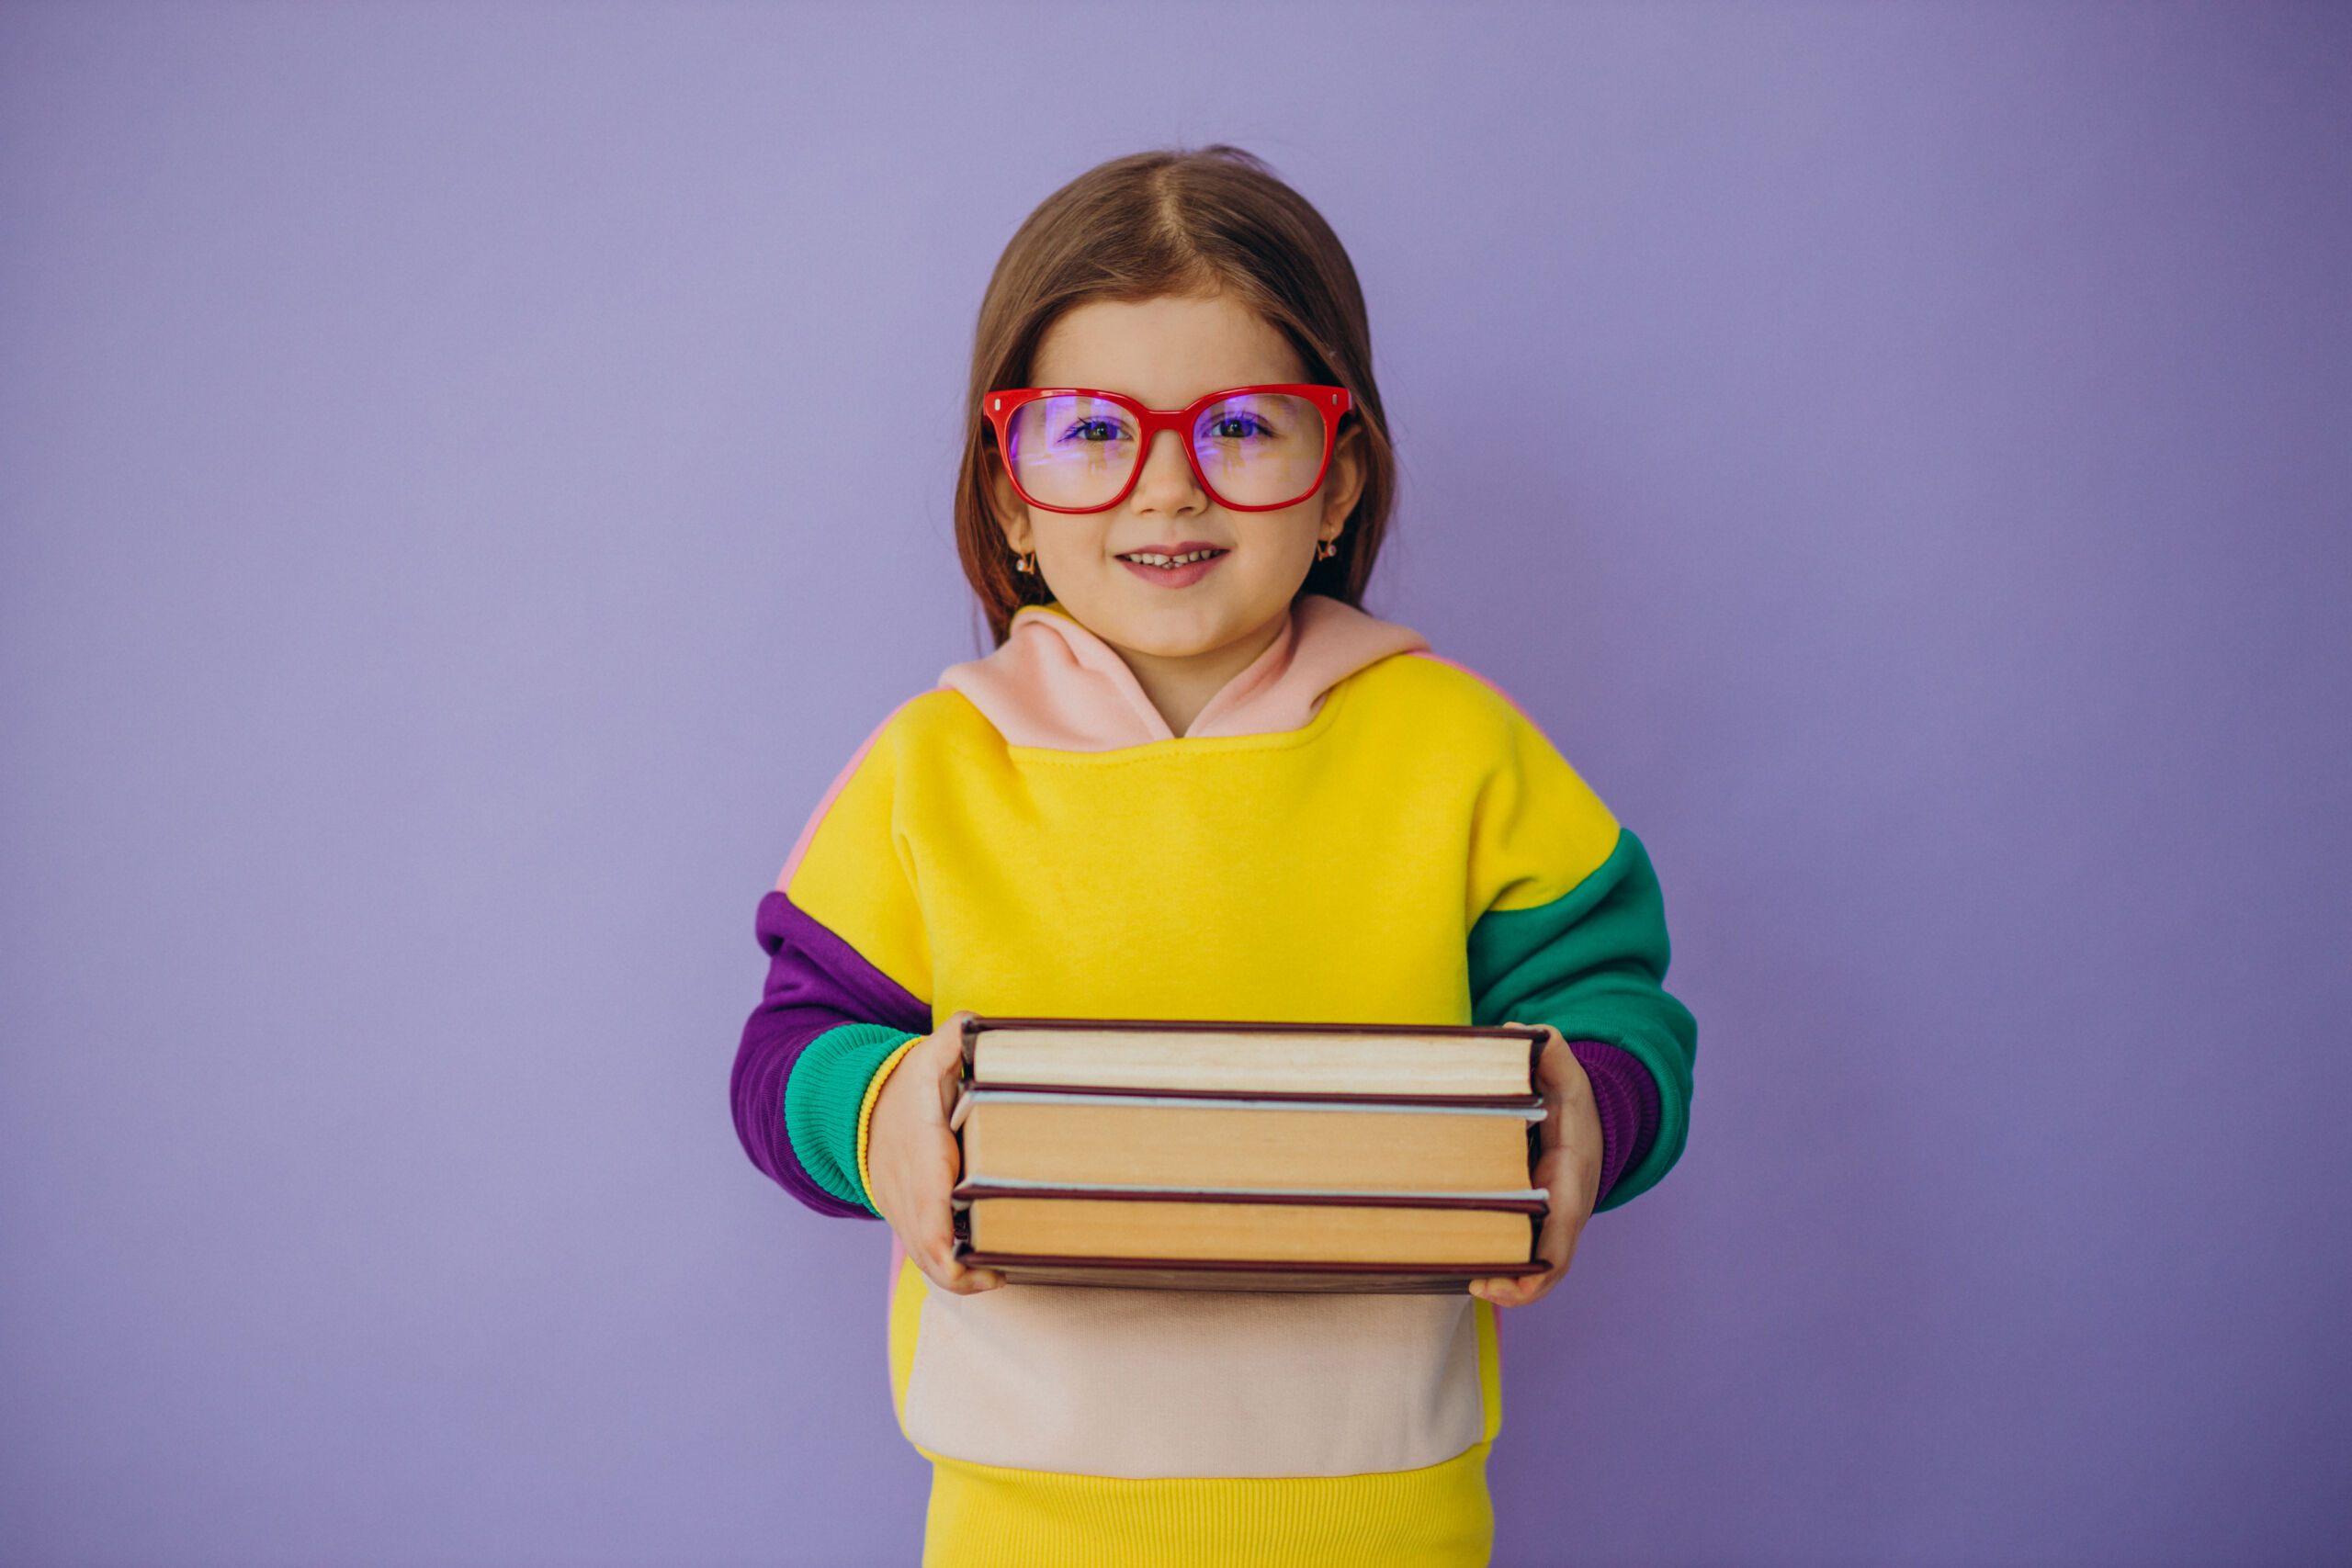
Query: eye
<point x="1237" y="424"/>
<point x="1093" y="428"/>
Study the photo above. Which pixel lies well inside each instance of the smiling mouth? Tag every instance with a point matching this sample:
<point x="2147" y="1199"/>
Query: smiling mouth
<point x="1170" y="562"/>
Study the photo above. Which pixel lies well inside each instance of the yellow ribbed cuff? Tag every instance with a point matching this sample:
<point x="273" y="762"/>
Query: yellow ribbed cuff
<point x="866" y="1113"/>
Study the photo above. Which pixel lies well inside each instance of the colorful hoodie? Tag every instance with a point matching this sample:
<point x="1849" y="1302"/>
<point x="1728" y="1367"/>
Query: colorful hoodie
<point x="1353" y="830"/>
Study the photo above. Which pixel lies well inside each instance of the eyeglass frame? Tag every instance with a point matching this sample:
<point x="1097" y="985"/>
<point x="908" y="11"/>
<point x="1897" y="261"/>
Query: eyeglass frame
<point x="1005" y="402"/>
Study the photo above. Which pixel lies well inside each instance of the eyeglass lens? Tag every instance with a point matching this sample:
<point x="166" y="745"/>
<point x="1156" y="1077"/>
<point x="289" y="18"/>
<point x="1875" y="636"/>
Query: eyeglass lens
<point x="1253" y="450"/>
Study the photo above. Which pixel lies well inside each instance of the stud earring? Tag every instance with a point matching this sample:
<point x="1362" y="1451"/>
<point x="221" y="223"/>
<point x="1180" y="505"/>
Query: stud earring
<point x="1326" y="550"/>
<point x="1026" y="565"/>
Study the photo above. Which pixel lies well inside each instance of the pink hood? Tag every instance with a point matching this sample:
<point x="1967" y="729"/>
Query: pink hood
<point x="1057" y="686"/>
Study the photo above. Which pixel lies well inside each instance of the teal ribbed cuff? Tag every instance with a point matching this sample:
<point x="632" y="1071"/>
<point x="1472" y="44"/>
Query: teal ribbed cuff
<point x="823" y="1096"/>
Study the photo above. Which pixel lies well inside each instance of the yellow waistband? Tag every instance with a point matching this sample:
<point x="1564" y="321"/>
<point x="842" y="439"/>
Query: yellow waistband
<point x="1435" y="1518"/>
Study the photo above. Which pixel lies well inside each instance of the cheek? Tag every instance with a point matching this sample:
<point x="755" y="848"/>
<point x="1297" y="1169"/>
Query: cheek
<point x="1291" y="533"/>
<point x="1073" y="543"/>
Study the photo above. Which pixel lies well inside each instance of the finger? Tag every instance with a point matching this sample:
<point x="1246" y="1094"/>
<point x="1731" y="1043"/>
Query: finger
<point x="1553" y="1248"/>
<point x="942" y="1268"/>
<point x="1512" y="1292"/>
<point x="1557" y="1245"/>
<point x="1560" y="1258"/>
<point x="937" y="1256"/>
<point x="947" y="1163"/>
<point x="936" y="1259"/>
<point x="1547" y="1083"/>
<point x="971" y="1281"/>
<point x="939" y="1060"/>
<point x="1529" y="1288"/>
<point x="947" y="1040"/>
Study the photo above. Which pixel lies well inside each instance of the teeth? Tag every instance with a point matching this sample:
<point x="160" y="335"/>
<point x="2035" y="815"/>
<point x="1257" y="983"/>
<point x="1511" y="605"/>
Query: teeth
<point x="1147" y="557"/>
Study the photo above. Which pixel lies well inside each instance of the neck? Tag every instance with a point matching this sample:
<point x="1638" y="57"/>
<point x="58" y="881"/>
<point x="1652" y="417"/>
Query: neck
<point x="1181" y="685"/>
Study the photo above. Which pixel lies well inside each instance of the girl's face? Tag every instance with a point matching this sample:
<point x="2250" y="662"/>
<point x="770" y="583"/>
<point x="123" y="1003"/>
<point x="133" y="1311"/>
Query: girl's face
<point x="1117" y="571"/>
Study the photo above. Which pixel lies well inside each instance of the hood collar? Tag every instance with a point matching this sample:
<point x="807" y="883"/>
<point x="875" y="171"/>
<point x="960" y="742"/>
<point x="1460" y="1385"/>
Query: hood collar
<point x="1056" y="686"/>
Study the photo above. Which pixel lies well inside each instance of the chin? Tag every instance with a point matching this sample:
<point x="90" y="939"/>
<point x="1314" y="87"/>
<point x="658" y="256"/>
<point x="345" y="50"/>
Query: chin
<point x="1176" y="634"/>
<point x="1165" y="647"/>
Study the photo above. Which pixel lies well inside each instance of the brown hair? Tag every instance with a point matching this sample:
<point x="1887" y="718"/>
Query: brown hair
<point x="1181" y="223"/>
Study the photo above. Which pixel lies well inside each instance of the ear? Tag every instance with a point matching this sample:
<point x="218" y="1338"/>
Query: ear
<point x="1006" y="509"/>
<point x="1344" y="484"/>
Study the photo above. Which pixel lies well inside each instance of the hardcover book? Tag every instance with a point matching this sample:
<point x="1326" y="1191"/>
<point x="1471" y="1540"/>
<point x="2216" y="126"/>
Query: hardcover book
<point x="1248" y="1156"/>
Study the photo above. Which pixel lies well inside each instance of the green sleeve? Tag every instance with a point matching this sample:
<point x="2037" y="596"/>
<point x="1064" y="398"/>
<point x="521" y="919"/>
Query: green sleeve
<point x="1592" y="964"/>
<point x="823" y="1096"/>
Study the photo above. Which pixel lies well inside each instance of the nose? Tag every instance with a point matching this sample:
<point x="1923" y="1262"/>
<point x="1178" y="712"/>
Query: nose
<point x="1167" y="487"/>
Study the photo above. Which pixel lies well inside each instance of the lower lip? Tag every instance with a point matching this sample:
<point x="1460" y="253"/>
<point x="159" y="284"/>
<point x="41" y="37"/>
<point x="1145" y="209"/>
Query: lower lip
<point x="1172" y="576"/>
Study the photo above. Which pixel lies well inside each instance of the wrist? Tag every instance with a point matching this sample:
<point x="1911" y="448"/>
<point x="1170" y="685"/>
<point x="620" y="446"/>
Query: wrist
<point x="874" y="1092"/>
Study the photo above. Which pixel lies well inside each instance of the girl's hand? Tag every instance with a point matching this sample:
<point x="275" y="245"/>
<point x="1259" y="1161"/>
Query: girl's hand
<point x="912" y="1161"/>
<point x="1568" y="1170"/>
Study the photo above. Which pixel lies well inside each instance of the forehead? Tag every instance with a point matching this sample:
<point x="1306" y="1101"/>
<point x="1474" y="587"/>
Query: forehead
<point x="1165" y="352"/>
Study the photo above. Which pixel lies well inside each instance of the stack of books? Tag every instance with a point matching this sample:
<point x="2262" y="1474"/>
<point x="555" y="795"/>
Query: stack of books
<point x="1248" y="1156"/>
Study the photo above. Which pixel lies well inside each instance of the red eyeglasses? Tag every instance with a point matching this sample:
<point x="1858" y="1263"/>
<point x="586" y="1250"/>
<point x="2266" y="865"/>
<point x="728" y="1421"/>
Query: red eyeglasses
<point x="1254" y="448"/>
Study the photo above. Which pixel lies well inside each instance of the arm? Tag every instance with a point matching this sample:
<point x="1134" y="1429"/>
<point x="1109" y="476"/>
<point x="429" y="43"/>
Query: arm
<point x="1588" y="967"/>
<point x="1568" y="1170"/>
<point x="842" y="1085"/>
<point x="914" y="1159"/>
<point x="843" y="1091"/>
<point x="1591" y="964"/>
<point x="849" y="981"/>
<point x="811" y="1052"/>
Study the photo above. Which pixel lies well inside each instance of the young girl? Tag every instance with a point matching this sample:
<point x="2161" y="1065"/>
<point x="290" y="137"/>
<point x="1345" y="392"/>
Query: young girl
<point x="1194" y="781"/>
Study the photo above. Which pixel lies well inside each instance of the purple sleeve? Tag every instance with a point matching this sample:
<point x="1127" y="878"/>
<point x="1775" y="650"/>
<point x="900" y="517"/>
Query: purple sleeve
<point x="1627" y="1099"/>
<point x="816" y="982"/>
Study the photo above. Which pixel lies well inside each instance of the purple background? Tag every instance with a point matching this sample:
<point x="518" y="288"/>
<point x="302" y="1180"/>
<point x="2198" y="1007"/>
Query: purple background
<point x="470" y="474"/>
